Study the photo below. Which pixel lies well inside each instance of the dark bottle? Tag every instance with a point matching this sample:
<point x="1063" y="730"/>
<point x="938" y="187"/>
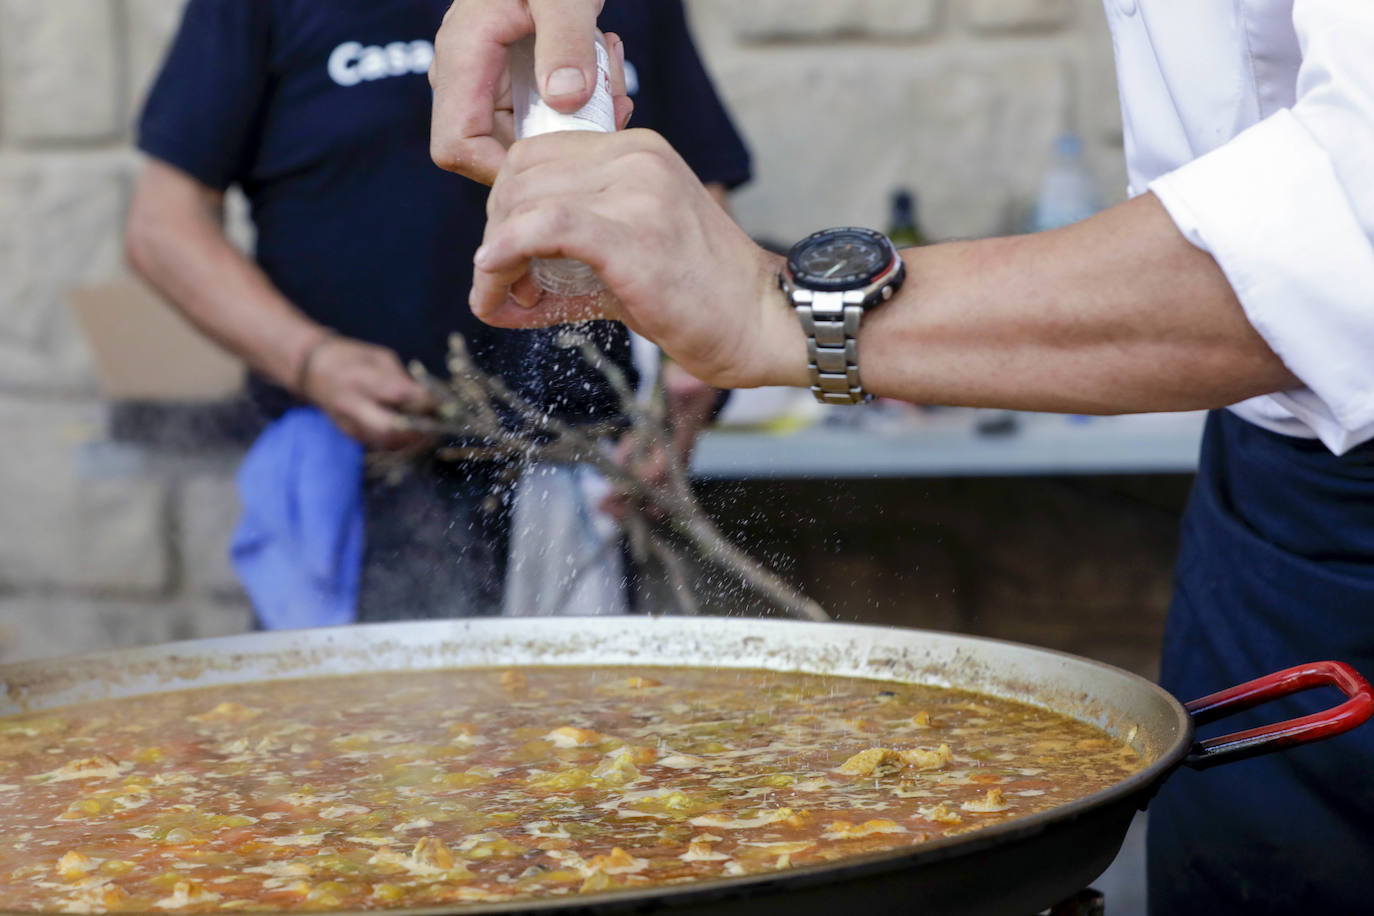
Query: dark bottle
<point x="903" y="228"/>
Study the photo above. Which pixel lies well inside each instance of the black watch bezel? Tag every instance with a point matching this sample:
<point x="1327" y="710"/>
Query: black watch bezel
<point x="799" y="277"/>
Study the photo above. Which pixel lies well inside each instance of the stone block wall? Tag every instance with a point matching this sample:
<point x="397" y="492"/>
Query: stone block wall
<point x="96" y="548"/>
<point x="844" y="100"/>
<point x="840" y="100"/>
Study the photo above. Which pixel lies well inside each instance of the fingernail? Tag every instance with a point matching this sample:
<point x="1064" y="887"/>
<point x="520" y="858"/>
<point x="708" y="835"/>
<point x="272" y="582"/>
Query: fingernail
<point x="480" y="258"/>
<point x="567" y="81"/>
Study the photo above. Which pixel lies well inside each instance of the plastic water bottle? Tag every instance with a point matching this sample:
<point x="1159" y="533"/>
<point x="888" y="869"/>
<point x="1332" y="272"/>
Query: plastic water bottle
<point x="1069" y="190"/>
<point x="533" y="117"/>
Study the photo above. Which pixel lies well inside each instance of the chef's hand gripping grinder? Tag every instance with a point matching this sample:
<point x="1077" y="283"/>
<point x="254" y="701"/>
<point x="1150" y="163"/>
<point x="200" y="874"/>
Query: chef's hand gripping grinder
<point x="533" y="117"/>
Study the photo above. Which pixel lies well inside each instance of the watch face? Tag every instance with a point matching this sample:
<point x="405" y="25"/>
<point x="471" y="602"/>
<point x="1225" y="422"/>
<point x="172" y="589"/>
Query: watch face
<point x="840" y="259"/>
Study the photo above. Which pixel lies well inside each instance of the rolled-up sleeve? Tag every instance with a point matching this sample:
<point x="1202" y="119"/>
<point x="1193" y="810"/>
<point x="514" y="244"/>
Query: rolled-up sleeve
<point x="1287" y="210"/>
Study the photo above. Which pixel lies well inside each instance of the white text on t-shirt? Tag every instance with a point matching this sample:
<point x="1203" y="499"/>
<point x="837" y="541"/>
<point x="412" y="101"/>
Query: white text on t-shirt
<point x="353" y="62"/>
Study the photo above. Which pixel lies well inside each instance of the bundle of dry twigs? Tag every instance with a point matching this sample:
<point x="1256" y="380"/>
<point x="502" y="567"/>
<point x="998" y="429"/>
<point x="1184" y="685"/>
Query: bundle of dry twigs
<point x="478" y="407"/>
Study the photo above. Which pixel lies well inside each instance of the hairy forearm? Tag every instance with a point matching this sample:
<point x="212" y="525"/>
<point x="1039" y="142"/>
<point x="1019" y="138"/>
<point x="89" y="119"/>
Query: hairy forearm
<point x="176" y="242"/>
<point x="1116" y="314"/>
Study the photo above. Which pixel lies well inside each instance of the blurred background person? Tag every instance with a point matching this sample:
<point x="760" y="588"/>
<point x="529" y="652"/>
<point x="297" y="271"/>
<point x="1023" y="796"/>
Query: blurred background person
<point x="320" y="112"/>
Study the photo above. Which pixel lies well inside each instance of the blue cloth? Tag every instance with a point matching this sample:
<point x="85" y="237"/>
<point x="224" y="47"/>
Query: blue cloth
<point x="298" y="548"/>
<point x="1276" y="569"/>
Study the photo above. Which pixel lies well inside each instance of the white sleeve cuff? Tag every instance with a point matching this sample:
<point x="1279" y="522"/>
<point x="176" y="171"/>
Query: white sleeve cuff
<point x="1271" y="209"/>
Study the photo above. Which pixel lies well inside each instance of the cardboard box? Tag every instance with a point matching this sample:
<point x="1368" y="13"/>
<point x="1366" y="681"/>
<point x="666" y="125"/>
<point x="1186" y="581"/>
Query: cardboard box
<point x="145" y="351"/>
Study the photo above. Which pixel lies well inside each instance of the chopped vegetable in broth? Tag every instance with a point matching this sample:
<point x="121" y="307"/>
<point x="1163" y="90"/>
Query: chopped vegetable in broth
<point x="471" y="786"/>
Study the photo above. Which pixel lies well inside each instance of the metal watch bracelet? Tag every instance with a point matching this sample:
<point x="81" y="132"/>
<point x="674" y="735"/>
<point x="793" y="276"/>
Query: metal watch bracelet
<point x="832" y="347"/>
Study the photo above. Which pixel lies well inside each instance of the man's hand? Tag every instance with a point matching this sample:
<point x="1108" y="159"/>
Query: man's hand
<point x="473" y="124"/>
<point x="682" y="272"/>
<point x="366" y="392"/>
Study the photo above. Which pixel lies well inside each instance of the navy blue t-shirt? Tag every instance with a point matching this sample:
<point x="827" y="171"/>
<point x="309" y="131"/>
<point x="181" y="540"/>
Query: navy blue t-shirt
<point x="320" y="111"/>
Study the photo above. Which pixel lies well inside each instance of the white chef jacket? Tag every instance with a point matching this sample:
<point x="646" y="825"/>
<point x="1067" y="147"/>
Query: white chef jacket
<point x="1253" y="122"/>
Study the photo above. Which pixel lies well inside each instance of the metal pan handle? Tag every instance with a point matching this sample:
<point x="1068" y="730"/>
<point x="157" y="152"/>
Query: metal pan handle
<point x="1357" y="708"/>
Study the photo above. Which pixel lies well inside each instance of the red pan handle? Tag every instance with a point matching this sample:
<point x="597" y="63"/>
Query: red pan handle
<point x="1357" y="708"/>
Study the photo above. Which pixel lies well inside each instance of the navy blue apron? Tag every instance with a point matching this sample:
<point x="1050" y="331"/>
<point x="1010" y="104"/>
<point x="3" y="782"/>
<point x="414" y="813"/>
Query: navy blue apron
<point x="1276" y="568"/>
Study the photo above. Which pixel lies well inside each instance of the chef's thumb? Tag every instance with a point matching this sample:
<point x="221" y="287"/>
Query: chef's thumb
<point x="565" y="51"/>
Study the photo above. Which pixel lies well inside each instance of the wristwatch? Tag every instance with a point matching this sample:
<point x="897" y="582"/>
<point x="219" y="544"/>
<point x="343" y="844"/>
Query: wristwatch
<point x="832" y="278"/>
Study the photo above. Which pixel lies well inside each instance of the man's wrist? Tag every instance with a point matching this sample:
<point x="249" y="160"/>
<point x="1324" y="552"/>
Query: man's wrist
<point x="785" y="362"/>
<point x="300" y="377"/>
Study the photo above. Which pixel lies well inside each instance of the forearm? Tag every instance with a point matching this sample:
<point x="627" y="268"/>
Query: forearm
<point x="1116" y="314"/>
<point x="176" y="242"/>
